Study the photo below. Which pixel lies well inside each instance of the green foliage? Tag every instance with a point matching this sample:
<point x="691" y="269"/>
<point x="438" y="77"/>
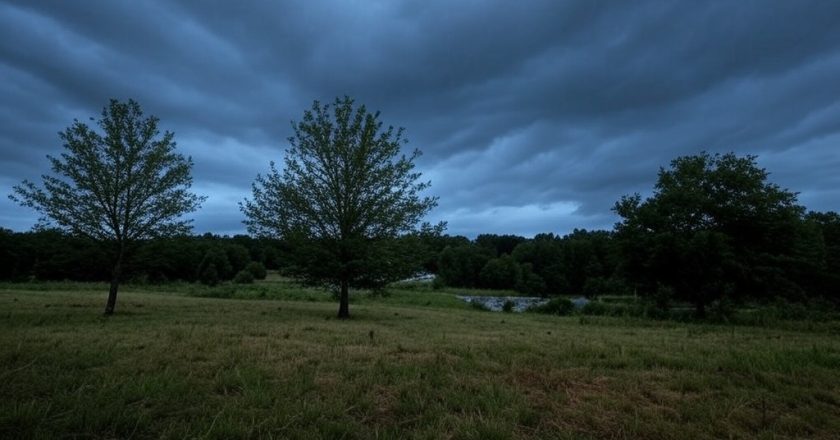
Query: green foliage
<point x="171" y="258"/>
<point x="499" y="244"/>
<point x="530" y="283"/>
<point x="434" y="244"/>
<point x="127" y="184"/>
<point x="9" y="256"/>
<point x="460" y="266"/>
<point x="477" y="305"/>
<point x="257" y="270"/>
<point x="507" y="307"/>
<point x="821" y="273"/>
<point x="217" y="258"/>
<point x="238" y="256"/>
<point x="117" y="185"/>
<point x="713" y="227"/>
<point x="545" y="255"/>
<point x="556" y="306"/>
<point x="544" y="265"/>
<point x="501" y="273"/>
<point x="344" y="197"/>
<point x="600" y="308"/>
<point x="209" y="275"/>
<point x="598" y="286"/>
<point x="244" y="277"/>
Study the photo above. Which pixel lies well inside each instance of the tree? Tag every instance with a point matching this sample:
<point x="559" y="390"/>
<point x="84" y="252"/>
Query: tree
<point x="713" y="227"/>
<point x="499" y="244"/>
<point x="530" y="283"/>
<point x="257" y="270"/>
<point x="238" y="256"/>
<point x="827" y="225"/>
<point x="501" y="273"/>
<point x="544" y="254"/>
<point x="218" y="259"/>
<point x="9" y="255"/>
<point x="118" y="185"/>
<point x="345" y="195"/>
<point x="460" y="266"/>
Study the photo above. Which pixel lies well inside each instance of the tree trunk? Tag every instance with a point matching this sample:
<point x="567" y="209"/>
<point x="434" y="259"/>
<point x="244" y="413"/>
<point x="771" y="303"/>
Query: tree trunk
<point x="344" y="301"/>
<point x="115" y="283"/>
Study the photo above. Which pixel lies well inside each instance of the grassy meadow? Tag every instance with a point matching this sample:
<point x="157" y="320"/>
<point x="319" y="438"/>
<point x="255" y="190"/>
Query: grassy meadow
<point x="270" y="361"/>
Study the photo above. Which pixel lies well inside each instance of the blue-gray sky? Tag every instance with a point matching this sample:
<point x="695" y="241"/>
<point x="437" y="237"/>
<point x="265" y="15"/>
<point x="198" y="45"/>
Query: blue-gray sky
<point x="533" y="116"/>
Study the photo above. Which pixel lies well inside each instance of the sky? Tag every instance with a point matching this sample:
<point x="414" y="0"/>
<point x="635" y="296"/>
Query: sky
<point x="532" y="116"/>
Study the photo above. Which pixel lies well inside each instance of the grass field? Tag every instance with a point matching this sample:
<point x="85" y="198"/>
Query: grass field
<point x="174" y="362"/>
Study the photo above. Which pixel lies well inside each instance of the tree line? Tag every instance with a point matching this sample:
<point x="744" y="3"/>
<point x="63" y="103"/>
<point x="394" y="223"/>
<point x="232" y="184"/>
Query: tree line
<point x="55" y="255"/>
<point x="346" y="210"/>
<point x="661" y="267"/>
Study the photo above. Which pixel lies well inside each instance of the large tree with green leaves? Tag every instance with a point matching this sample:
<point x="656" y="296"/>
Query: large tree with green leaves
<point x="116" y="185"/>
<point x="713" y="227"/>
<point x="347" y="200"/>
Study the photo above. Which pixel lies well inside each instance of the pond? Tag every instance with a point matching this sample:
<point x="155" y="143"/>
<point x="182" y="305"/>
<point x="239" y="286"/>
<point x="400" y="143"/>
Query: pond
<point x="496" y="303"/>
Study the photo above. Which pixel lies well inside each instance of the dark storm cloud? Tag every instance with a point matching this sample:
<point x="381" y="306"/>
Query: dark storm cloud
<point x="533" y="116"/>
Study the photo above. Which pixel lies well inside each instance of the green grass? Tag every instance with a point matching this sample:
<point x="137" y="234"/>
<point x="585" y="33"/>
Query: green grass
<point x="175" y="362"/>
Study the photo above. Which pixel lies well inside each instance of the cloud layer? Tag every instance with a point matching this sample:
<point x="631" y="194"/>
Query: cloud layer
<point x="533" y="116"/>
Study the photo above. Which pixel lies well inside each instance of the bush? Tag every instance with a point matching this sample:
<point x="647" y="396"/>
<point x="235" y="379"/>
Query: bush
<point x="257" y="269"/>
<point x="556" y="306"/>
<point x="216" y="256"/>
<point x="507" y="307"/>
<point x="479" y="306"/>
<point x="597" y="308"/>
<point x="209" y="275"/>
<point x="243" y="277"/>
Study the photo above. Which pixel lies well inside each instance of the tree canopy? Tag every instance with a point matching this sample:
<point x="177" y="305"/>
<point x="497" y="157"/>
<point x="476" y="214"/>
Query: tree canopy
<point x="345" y="193"/>
<point x="117" y="185"/>
<point x="714" y="227"/>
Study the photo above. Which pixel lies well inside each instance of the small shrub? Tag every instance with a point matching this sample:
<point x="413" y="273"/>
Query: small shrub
<point x="438" y="283"/>
<point x="507" y="307"/>
<point x="596" y="308"/>
<point x="479" y="306"/>
<point x="216" y="256"/>
<point x="556" y="306"/>
<point x="257" y="269"/>
<point x="243" y="277"/>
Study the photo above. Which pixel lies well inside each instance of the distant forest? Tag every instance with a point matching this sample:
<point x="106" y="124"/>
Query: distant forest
<point x="588" y="263"/>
